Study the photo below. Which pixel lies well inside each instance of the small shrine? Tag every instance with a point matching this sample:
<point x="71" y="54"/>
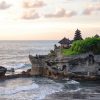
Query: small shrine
<point x="65" y="43"/>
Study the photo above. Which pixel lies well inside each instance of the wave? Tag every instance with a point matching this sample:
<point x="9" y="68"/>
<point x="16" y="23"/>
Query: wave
<point x="47" y="90"/>
<point x="73" y="82"/>
<point x="19" y="66"/>
<point x="11" y="91"/>
<point x="72" y="86"/>
<point x="76" y="90"/>
<point x="46" y="87"/>
<point x="34" y="91"/>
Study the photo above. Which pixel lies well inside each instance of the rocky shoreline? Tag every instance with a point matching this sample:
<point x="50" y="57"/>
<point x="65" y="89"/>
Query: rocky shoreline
<point x="74" y="77"/>
<point x="70" y="68"/>
<point x="54" y="76"/>
<point x="19" y="75"/>
<point x="81" y="67"/>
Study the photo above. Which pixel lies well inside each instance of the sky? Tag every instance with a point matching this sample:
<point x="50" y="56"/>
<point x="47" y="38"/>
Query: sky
<point x="48" y="19"/>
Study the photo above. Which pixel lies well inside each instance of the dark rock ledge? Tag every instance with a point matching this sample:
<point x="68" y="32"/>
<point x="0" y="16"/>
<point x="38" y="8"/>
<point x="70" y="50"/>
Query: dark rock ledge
<point x="22" y="74"/>
<point x="53" y="75"/>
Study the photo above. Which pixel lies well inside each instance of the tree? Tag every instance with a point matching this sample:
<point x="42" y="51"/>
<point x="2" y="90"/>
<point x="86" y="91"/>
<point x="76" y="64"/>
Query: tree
<point x="78" y="35"/>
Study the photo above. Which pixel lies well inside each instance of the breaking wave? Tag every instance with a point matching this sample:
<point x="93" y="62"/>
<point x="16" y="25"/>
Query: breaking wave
<point x="35" y="91"/>
<point x="19" y="66"/>
<point x="10" y="91"/>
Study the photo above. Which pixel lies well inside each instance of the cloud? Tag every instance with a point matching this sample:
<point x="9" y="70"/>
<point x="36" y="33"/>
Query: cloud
<point x="98" y="7"/>
<point x="61" y="13"/>
<point x="33" y="4"/>
<point x="4" y="5"/>
<point x="30" y="15"/>
<point x="88" y="11"/>
<point x="92" y="8"/>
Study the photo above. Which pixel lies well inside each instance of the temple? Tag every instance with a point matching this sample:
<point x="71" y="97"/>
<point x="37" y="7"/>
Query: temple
<point x="65" y="43"/>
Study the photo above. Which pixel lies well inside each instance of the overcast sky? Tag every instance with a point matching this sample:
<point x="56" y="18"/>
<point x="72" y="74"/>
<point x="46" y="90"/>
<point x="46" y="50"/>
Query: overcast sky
<point x="48" y="19"/>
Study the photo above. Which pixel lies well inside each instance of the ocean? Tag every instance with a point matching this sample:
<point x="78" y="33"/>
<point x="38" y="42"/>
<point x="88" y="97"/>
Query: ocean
<point x="14" y="54"/>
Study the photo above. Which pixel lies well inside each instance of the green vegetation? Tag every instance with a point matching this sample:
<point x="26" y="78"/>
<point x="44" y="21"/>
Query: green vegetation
<point x="68" y="52"/>
<point x="83" y="46"/>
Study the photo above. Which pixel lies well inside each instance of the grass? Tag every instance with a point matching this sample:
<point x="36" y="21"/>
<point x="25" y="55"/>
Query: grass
<point x="68" y="52"/>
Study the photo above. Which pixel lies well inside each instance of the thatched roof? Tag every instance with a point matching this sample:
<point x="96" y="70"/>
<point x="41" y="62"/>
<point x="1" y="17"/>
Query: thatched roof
<point x="65" y="41"/>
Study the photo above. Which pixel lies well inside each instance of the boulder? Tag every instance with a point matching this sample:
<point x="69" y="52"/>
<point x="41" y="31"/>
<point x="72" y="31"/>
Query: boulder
<point x="2" y="71"/>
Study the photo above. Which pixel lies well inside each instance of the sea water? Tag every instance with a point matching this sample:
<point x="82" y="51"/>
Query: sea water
<point x="14" y="54"/>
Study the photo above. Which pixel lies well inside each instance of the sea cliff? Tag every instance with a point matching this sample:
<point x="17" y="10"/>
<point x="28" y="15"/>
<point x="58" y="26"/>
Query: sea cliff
<point x="85" y="66"/>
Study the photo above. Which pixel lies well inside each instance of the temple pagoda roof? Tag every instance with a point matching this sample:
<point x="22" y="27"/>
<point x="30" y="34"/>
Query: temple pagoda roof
<point x="64" y="41"/>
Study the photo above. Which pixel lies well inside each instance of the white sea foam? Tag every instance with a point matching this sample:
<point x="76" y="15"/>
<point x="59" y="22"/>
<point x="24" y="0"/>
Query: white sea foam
<point x="18" y="66"/>
<point x="72" y="82"/>
<point x="72" y="86"/>
<point x="76" y="90"/>
<point x="47" y="90"/>
<point x="31" y="92"/>
<point x="11" y="91"/>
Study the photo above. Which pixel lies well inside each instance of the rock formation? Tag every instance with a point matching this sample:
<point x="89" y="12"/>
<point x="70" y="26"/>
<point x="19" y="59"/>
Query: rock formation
<point x="85" y="64"/>
<point x="2" y="71"/>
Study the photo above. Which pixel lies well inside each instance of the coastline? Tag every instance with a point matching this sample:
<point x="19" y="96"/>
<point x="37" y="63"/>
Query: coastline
<point x="68" y="77"/>
<point x="42" y="66"/>
<point x="51" y="73"/>
<point x="18" y="81"/>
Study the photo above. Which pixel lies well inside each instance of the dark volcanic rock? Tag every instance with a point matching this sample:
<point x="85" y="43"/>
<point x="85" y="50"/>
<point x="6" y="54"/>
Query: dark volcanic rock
<point x="2" y="71"/>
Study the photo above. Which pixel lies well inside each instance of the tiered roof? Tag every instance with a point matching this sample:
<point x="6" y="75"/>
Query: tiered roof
<point x="64" y="41"/>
